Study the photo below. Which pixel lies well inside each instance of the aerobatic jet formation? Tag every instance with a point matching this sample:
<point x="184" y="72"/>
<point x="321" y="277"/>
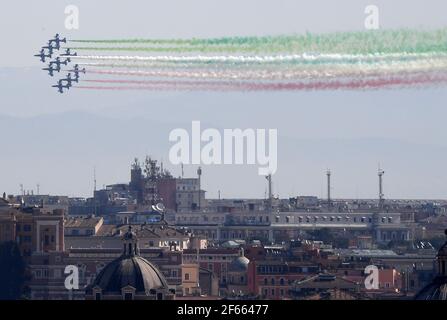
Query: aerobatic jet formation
<point x="60" y="57"/>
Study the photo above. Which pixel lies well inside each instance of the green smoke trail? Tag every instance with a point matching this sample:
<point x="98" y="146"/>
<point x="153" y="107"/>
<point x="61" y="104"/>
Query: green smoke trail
<point x="387" y="41"/>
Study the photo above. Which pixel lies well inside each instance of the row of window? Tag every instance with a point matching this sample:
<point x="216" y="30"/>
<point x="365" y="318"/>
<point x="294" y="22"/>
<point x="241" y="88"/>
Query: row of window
<point x="45" y="273"/>
<point x="273" y="292"/>
<point x="273" y="281"/>
<point x="26" y="227"/>
<point x="271" y="269"/>
<point x="314" y="219"/>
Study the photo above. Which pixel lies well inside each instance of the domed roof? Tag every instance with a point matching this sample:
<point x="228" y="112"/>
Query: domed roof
<point x="437" y="289"/>
<point x="240" y="264"/>
<point x="132" y="271"/>
<point x="443" y="250"/>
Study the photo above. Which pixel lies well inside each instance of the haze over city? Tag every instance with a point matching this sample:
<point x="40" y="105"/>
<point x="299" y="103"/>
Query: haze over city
<point x="56" y="141"/>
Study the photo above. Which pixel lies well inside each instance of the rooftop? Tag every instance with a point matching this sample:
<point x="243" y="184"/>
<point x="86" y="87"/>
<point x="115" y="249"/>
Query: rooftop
<point x="90" y="222"/>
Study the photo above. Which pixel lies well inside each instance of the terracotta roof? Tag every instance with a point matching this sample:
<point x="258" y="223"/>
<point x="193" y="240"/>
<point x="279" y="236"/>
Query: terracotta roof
<point x="90" y="222"/>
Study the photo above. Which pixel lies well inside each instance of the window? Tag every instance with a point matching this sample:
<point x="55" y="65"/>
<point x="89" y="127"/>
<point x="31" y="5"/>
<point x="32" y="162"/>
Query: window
<point x="281" y="281"/>
<point x="186" y="276"/>
<point x="27" y="227"/>
<point x="128" y="296"/>
<point x="265" y="281"/>
<point x="97" y="296"/>
<point x="159" y="296"/>
<point x="57" y="273"/>
<point x="273" y="281"/>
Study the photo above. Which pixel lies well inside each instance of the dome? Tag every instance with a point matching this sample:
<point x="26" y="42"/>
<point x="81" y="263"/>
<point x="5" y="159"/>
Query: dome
<point x="240" y="264"/>
<point x="437" y="289"/>
<point x="129" y="272"/>
<point x="132" y="271"/>
<point x="443" y="251"/>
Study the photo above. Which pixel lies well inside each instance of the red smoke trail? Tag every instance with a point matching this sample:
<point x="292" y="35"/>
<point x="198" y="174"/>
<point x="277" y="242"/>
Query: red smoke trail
<point x="353" y="84"/>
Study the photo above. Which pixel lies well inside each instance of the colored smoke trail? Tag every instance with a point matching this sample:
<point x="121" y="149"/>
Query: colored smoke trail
<point x="386" y="41"/>
<point x="275" y="74"/>
<point x="301" y="58"/>
<point x="373" y="83"/>
<point x="339" y="61"/>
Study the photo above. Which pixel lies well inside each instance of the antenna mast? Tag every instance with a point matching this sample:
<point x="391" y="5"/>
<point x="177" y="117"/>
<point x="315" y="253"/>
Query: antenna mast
<point x="381" y="195"/>
<point x="94" y="191"/>
<point x="328" y="173"/>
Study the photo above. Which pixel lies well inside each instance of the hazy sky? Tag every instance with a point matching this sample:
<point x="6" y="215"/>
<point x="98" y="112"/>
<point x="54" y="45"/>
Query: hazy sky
<point x="406" y="128"/>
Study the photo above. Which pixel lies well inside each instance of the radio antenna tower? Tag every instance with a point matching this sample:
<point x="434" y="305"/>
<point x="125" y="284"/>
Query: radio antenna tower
<point x="328" y="173"/>
<point x="381" y="195"/>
